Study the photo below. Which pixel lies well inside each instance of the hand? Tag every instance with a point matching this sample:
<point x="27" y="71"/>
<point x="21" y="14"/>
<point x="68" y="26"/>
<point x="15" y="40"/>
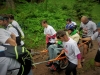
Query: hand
<point x="48" y="35"/>
<point x="79" y="66"/>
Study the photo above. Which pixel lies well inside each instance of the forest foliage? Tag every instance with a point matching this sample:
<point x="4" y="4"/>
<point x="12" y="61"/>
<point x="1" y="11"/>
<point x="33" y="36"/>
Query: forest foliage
<point x="30" y="13"/>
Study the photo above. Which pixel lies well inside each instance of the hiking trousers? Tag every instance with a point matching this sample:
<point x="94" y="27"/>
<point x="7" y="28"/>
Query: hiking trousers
<point x="54" y="51"/>
<point x="71" y="68"/>
<point x="9" y="66"/>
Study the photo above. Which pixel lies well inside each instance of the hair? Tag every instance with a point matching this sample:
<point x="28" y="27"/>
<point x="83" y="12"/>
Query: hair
<point x="5" y="17"/>
<point x="60" y="33"/>
<point x="69" y="19"/>
<point x="11" y="16"/>
<point x="44" y="21"/>
<point x="85" y="17"/>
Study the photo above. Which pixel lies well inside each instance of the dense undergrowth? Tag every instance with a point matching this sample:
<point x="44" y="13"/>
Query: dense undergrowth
<point x="30" y="15"/>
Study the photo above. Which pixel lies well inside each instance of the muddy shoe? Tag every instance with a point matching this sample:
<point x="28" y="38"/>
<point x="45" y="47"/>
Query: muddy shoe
<point x="49" y="64"/>
<point x="53" y="68"/>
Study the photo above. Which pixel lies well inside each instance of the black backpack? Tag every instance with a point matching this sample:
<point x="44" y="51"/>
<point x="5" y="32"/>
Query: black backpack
<point x="18" y="38"/>
<point x="21" y="54"/>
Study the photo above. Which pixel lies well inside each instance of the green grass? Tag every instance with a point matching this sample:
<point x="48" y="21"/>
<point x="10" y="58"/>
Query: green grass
<point x="96" y="12"/>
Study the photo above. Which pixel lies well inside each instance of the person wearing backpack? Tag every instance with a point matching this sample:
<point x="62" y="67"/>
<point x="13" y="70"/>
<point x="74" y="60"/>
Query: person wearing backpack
<point x="8" y="66"/>
<point x="96" y="36"/>
<point x="15" y="24"/>
<point x="12" y="29"/>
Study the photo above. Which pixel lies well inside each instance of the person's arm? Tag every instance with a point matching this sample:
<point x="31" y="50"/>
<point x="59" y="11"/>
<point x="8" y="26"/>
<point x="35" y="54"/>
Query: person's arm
<point x="94" y="26"/>
<point x="13" y="36"/>
<point x="79" y="61"/>
<point x="11" y="42"/>
<point x="77" y="54"/>
<point x="86" y="39"/>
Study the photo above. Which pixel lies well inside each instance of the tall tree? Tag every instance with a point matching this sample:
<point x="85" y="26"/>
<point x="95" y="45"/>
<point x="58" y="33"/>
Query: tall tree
<point x="10" y="4"/>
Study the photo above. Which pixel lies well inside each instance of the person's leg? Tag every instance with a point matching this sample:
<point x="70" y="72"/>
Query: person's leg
<point x="71" y="68"/>
<point x="91" y="44"/>
<point x="57" y="52"/>
<point x="55" y="64"/>
<point x="51" y="53"/>
<point x="85" y="50"/>
<point x="74" y="71"/>
<point x="97" y="59"/>
<point x="85" y="47"/>
<point x="30" y="73"/>
<point x="7" y="65"/>
<point x="51" y="50"/>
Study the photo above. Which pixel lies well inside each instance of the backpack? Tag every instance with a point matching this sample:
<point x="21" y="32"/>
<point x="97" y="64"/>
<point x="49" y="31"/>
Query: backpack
<point x="21" y="54"/>
<point x="18" y="38"/>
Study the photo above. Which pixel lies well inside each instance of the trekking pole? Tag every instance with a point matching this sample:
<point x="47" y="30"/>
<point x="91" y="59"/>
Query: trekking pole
<point x="49" y="60"/>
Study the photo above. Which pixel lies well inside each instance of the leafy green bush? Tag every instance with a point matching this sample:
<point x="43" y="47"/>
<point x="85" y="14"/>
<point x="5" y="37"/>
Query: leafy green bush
<point x="30" y="15"/>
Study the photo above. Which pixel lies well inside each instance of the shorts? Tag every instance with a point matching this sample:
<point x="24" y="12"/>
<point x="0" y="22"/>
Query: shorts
<point x="85" y="41"/>
<point x="97" y="57"/>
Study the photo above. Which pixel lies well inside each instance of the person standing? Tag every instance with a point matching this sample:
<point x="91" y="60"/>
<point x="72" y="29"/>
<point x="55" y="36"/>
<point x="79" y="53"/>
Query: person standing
<point x="15" y="24"/>
<point x="88" y="28"/>
<point x="96" y="36"/>
<point x="72" y="52"/>
<point x="8" y="66"/>
<point x="50" y="33"/>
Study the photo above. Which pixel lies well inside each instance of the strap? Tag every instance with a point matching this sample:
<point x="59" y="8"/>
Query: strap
<point x="19" y="33"/>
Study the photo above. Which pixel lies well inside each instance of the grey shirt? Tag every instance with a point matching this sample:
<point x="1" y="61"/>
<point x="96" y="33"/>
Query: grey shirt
<point x="88" y="28"/>
<point x="96" y="36"/>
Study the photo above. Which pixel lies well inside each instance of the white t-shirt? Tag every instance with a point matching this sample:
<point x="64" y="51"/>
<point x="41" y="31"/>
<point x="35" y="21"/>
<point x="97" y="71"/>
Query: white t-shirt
<point x="74" y="23"/>
<point x="6" y="63"/>
<point x="14" y="23"/>
<point x="14" y="31"/>
<point x="96" y="36"/>
<point x="51" y="31"/>
<point x="4" y="35"/>
<point x="89" y="28"/>
<point x="71" y="50"/>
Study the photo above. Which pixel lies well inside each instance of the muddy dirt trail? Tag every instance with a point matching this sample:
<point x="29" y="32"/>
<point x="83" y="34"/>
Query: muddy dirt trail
<point x="88" y="67"/>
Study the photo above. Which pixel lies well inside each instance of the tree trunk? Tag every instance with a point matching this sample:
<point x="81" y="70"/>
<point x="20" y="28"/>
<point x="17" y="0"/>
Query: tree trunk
<point x="10" y="4"/>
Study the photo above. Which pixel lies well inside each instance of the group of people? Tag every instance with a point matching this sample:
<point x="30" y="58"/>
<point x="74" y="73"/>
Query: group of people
<point x="11" y="34"/>
<point x="63" y="41"/>
<point x="67" y="40"/>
